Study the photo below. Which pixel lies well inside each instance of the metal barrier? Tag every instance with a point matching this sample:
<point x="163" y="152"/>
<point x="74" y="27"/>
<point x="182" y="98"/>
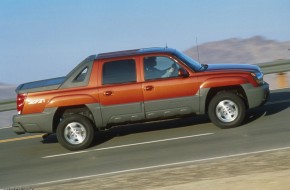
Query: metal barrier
<point x="7" y="105"/>
<point x="279" y="66"/>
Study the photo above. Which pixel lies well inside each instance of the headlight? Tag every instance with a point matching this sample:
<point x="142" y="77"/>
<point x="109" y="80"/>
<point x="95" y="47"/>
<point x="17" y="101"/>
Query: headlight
<point x="258" y="77"/>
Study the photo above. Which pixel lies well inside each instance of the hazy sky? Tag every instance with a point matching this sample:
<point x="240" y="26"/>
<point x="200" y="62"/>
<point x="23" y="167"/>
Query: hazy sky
<point x="42" y="39"/>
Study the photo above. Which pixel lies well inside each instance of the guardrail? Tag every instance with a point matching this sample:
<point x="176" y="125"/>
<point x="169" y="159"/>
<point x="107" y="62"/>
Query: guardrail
<point x="279" y="66"/>
<point x="7" y="105"/>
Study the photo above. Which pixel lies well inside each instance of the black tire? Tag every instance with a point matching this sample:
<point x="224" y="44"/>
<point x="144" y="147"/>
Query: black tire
<point x="75" y="132"/>
<point x="227" y="110"/>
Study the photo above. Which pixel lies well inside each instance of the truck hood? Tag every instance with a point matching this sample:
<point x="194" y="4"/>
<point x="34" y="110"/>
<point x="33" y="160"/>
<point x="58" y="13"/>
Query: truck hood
<point x="243" y="67"/>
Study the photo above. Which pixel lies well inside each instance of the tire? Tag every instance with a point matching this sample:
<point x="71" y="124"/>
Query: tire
<point x="227" y="110"/>
<point x="75" y="132"/>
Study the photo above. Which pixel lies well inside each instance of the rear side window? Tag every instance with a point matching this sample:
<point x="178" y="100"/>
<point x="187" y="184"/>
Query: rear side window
<point x="121" y="71"/>
<point x="81" y="76"/>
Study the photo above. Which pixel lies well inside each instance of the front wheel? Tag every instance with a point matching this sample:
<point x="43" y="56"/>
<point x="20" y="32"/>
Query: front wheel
<point x="227" y="110"/>
<point x="75" y="132"/>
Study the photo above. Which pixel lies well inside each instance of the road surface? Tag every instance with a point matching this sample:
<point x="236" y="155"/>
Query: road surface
<point x="27" y="160"/>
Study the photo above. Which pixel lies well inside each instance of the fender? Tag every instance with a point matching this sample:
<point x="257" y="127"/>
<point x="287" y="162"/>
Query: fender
<point x="216" y="82"/>
<point x="70" y="100"/>
<point x="223" y="81"/>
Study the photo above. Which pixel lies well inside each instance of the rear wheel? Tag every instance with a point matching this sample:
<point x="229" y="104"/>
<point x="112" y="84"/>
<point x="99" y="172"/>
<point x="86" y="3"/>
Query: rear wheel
<point x="75" y="132"/>
<point x="227" y="110"/>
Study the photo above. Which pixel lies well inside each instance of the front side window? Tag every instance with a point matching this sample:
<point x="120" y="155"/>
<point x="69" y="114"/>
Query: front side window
<point x="120" y="71"/>
<point x="157" y="67"/>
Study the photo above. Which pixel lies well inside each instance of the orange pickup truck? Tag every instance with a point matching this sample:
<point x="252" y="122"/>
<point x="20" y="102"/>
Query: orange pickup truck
<point x="138" y="85"/>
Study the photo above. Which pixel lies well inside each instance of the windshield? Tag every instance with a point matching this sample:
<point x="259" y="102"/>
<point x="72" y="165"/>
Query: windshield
<point x="194" y="65"/>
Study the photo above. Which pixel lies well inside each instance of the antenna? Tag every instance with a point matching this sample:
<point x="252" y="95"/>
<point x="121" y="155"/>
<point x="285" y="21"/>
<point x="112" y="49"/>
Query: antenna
<point x="166" y="45"/>
<point x="197" y="49"/>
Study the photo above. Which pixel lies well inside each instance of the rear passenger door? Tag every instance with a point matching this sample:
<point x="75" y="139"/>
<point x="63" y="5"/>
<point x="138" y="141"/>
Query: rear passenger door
<point x="121" y="95"/>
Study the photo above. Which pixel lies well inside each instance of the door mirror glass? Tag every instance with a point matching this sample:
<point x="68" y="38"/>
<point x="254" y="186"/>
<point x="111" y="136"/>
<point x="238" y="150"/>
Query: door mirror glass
<point x="183" y="73"/>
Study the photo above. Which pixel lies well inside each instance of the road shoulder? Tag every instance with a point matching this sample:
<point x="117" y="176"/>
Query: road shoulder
<point x="270" y="170"/>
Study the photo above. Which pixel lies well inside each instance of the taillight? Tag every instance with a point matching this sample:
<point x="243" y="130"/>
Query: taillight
<point x="20" y="102"/>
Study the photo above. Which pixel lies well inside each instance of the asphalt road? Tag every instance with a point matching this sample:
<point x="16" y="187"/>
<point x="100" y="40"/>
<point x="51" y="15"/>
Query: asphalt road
<point x="27" y="160"/>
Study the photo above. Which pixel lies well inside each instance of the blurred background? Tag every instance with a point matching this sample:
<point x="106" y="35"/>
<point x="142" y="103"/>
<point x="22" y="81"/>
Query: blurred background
<point x="42" y="39"/>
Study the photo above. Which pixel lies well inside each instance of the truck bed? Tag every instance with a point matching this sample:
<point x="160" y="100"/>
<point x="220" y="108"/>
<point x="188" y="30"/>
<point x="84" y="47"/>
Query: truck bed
<point x="48" y="84"/>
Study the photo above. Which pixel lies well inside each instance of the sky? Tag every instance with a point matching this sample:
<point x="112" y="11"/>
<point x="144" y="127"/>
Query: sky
<point x="41" y="39"/>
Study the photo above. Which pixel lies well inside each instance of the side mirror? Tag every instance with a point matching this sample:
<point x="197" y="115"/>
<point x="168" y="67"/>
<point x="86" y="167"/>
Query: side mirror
<point x="183" y="73"/>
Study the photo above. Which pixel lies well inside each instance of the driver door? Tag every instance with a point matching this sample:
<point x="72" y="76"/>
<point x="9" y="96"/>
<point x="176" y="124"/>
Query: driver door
<point x="166" y="94"/>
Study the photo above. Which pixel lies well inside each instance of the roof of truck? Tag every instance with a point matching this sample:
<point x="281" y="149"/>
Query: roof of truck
<point x="135" y="52"/>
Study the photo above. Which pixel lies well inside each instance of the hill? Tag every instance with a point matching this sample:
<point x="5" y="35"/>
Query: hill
<point x="252" y="50"/>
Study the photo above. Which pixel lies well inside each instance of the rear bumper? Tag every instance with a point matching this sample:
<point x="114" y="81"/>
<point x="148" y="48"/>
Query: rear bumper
<point x="257" y="96"/>
<point x="18" y="128"/>
<point x="34" y="123"/>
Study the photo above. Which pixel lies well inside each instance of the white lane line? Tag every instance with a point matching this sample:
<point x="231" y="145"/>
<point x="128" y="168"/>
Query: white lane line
<point x="156" y="166"/>
<point x="127" y="145"/>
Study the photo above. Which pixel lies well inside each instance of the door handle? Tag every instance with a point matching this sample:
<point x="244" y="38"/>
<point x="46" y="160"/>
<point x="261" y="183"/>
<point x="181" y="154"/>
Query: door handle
<point x="149" y="88"/>
<point x="108" y="93"/>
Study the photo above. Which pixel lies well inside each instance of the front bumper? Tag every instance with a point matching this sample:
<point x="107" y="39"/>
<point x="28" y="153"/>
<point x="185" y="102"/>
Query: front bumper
<point x="257" y="96"/>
